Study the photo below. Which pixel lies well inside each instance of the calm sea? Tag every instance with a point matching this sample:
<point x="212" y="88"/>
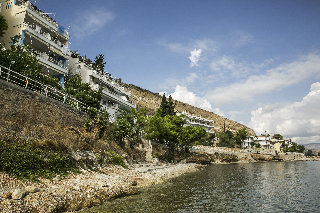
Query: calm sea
<point x="251" y="187"/>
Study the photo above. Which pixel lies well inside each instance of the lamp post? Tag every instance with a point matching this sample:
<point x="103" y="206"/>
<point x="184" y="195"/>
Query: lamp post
<point x="11" y="63"/>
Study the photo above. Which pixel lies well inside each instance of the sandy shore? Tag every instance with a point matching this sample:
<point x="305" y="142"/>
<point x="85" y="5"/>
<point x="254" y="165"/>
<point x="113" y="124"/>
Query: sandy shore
<point x="79" y="191"/>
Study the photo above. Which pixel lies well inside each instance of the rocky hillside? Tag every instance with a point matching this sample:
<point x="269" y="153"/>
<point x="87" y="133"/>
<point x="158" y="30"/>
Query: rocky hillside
<point x="150" y="100"/>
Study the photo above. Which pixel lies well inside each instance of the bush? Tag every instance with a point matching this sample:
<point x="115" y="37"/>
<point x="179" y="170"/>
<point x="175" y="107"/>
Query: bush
<point x="26" y="162"/>
<point x="111" y="157"/>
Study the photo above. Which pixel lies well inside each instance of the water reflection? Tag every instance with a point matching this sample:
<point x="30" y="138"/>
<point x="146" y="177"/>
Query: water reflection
<point x="255" y="187"/>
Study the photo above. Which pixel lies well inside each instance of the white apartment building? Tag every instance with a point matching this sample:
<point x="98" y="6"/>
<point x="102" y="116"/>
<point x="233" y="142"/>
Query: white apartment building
<point x="114" y="96"/>
<point x="50" y="40"/>
<point x="263" y="141"/>
<point x="193" y="120"/>
<point x="41" y="32"/>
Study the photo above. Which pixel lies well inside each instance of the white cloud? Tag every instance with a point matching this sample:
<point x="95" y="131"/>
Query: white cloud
<point x="163" y="93"/>
<point x="91" y="21"/>
<point x="184" y="95"/>
<point x="195" y="57"/>
<point x="226" y="66"/>
<point x="171" y="83"/>
<point x="204" y="44"/>
<point x="242" y="38"/>
<point x="175" y="47"/>
<point x="274" y="79"/>
<point x="298" y="120"/>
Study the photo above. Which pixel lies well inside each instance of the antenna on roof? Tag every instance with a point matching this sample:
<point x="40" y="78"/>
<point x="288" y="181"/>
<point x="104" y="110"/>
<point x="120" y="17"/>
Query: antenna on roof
<point x="48" y="13"/>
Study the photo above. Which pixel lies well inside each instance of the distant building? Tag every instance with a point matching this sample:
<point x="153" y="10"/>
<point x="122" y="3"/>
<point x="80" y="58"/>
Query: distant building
<point x="114" y="96"/>
<point x="193" y="120"/>
<point x="260" y="141"/>
<point x="31" y="26"/>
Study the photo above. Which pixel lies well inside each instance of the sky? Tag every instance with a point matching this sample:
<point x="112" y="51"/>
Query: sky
<point x="256" y="62"/>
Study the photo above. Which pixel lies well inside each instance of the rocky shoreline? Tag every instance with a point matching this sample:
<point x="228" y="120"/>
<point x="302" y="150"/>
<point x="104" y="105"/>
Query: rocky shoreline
<point x="89" y="188"/>
<point x="252" y="155"/>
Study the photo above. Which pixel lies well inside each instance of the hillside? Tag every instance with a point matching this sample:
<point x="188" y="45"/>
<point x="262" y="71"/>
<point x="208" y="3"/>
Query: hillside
<point x="150" y="100"/>
<point x="313" y="146"/>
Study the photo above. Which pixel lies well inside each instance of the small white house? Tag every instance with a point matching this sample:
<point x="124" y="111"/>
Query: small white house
<point x="263" y="141"/>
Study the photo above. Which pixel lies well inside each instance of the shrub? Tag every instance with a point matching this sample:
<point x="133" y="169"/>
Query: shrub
<point x="111" y="157"/>
<point x="26" y="162"/>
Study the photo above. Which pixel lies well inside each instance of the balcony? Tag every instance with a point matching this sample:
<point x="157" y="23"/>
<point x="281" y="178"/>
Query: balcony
<point x="46" y="20"/>
<point x="45" y="60"/>
<point x="118" y="98"/>
<point x="110" y="82"/>
<point x="47" y="38"/>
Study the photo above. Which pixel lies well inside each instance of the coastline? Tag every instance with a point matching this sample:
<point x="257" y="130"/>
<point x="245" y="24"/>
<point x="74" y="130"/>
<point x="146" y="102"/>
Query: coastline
<point x="91" y="188"/>
<point x="87" y="189"/>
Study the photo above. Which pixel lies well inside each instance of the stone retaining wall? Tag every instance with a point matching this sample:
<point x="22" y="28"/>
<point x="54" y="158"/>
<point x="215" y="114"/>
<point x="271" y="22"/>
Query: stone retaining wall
<point x="28" y="116"/>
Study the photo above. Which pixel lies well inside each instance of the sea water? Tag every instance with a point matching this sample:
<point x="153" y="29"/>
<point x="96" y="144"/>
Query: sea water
<point x="243" y="187"/>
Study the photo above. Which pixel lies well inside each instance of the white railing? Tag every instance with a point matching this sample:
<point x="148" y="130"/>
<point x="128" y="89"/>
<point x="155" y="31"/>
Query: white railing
<point x="46" y="90"/>
<point x="111" y="82"/>
<point x="41" y="36"/>
<point x="45" y="19"/>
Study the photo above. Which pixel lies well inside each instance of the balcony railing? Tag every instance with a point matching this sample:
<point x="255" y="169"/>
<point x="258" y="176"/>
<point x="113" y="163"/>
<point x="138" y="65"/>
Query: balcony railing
<point x="48" y="40"/>
<point x="31" y="84"/>
<point x="46" y="20"/>
<point x="110" y="82"/>
<point x="118" y="98"/>
<point x="52" y="64"/>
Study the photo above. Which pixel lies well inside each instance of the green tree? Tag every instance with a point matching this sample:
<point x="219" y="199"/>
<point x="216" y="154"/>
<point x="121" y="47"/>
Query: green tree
<point x="99" y="63"/>
<point x="82" y="91"/>
<point x="225" y="139"/>
<point x="277" y="136"/>
<point x="190" y="135"/>
<point x="309" y="153"/>
<point x="240" y="136"/>
<point x="166" y="106"/>
<point x="97" y="120"/>
<point x="294" y="148"/>
<point x="25" y="62"/>
<point x="3" y="25"/>
<point x="166" y="130"/>
<point x="130" y="125"/>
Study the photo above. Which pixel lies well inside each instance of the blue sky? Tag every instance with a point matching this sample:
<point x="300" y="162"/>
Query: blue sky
<point x="256" y="62"/>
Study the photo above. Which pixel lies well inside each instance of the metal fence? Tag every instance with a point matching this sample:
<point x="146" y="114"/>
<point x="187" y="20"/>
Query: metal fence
<point x="46" y="90"/>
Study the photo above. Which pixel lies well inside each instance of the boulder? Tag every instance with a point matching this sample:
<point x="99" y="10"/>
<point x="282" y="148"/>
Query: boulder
<point x="199" y="158"/>
<point x="19" y="194"/>
<point x="32" y="189"/>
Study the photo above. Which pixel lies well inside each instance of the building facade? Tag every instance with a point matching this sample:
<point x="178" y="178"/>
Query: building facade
<point x="193" y="120"/>
<point x="114" y="96"/>
<point x="29" y="25"/>
<point x="260" y="141"/>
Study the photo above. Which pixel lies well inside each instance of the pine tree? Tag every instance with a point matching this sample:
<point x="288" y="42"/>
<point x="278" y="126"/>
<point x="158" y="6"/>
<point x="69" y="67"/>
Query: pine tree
<point x="166" y="107"/>
<point x="99" y="63"/>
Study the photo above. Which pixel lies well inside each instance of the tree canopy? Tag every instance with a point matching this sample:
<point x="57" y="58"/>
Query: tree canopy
<point x="25" y="62"/>
<point x="99" y="63"/>
<point x="166" y="106"/>
<point x="277" y="136"/>
<point x="240" y="136"/>
<point x="83" y="91"/>
<point x="130" y="125"/>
